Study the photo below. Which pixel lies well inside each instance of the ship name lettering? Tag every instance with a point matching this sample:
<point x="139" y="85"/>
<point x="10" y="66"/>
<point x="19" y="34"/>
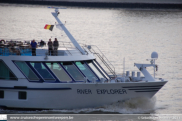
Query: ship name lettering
<point x="111" y="91"/>
<point x="84" y="91"/>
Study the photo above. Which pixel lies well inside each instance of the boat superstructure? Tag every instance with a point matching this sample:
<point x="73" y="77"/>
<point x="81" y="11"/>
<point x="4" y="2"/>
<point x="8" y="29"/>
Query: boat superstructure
<point x="72" y="79"/>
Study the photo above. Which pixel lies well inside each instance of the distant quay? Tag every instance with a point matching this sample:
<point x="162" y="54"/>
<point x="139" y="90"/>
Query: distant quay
<point x="151" y="4"/>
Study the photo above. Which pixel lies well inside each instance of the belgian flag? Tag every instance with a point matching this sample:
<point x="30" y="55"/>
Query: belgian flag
<point x="50" y="27"/>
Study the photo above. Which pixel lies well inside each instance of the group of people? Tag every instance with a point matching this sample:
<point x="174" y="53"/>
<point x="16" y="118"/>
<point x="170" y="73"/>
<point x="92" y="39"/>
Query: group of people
<point x="11" y="46"/>
<point x="12" y="49"/>
<point x="52" y="47"/>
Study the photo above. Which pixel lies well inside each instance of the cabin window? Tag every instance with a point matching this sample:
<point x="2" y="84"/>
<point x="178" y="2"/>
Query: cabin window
<point x="27" y="71"/>
<point x="85" y="70"/>
<point x="103" y="72"/>
<point x="73" y="71"/>
<point x="1" y="94"/>
<point x="92" y="66"/>
<point x="59" y="72"/>
<point x="5" y="72"/>
<point x="41" y="69"/>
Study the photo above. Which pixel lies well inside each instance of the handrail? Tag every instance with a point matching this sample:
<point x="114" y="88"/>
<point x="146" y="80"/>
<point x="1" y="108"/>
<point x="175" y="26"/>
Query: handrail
<point x="66" y="48"/>
<point x="103" y="58"/>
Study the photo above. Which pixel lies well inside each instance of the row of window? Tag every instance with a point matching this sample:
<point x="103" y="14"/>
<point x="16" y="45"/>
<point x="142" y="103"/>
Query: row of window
<point x="21" y="94"/>
<point x="55" y="71"/>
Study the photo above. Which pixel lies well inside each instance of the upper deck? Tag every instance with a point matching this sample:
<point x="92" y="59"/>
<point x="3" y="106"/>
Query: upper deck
<point x="64" y="49"/>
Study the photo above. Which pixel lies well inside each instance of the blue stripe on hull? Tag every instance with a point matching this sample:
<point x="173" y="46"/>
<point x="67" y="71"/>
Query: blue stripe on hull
<point x="24" y="88"/>
<point x="148" y="91"/>
<point x="143" y="86"/>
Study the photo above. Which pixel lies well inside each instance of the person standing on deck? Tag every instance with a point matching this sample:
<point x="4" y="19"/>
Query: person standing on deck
<point x="55" y="45"/>
<point x="33" y="46"/>
<point x="41" y="43"/>
<point x="50" y="45"/>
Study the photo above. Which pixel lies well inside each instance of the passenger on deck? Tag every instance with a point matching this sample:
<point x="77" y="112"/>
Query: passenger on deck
<point x="50" y="47"/>
<point x="55" y="45"/>
<point x="33" y="45"/>
<point x="11" y="42"/>
<point x="21" y="43"/>
<point x="12" y="49"/>
<point x="41" y="43"/>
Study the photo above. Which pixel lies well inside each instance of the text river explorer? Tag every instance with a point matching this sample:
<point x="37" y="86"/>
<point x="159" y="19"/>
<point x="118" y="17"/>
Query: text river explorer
<point x="102" y="91"/>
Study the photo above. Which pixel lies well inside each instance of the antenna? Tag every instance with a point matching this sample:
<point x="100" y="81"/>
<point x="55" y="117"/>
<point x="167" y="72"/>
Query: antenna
<point x="154" y="56"/>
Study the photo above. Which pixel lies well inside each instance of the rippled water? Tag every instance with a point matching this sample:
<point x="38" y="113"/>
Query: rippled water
<point x="130" y="33"/>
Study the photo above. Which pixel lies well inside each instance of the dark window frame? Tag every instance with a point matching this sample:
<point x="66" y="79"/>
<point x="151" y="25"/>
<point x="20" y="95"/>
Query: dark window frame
<point x="57" y="79"/>
<point x="15" y="77"/>
<point x="39" y="75"/>
<point x="96" y="68"/>
<point x="89" y="68"/>
<point x="41" y="79"/>
<point x="69" y="73"/>
<point x="105" y="73"/>
<point x="25" y="75"/>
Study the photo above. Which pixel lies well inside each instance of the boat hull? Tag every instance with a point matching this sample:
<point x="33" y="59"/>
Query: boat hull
<point x="76" y="95"/>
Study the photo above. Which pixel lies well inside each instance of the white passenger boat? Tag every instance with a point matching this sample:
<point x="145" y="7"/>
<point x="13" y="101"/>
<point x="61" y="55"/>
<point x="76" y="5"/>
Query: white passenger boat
<point x="73" y="79"/>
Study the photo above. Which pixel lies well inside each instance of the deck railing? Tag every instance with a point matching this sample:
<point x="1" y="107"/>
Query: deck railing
<point x="25" y="49"/>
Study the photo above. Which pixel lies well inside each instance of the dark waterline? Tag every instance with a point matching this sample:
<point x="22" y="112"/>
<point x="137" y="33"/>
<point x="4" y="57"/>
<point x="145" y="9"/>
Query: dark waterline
<point x="98" y="4"/>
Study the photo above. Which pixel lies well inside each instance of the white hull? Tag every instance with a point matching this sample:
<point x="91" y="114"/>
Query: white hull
<point x="78" y="95"/>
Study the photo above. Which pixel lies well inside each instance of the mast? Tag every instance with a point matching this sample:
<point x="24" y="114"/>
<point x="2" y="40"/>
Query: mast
<point x="75" y="43"/>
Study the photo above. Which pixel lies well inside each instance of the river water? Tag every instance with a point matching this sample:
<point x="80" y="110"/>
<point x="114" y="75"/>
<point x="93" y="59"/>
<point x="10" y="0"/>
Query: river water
<point x="132" y="34"/>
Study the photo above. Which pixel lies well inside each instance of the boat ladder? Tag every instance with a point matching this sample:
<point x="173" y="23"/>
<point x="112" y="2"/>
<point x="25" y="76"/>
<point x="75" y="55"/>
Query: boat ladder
<point x="99" y="55"/>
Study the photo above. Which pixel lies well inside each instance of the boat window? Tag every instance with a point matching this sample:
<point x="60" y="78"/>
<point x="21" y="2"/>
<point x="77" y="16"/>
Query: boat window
<point x="27" y="71"/>
<point x="59" y="71"/>
<point x="101" y="70"/>
<point x="92" y="66"/>
<point x="22" y="95"/>
<point x="5" y="72"/>
<point x="1" y="93"/>
<point x="73" y="71"/>
<point x="41" y="69"/>
<point x="85" y="70"/>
